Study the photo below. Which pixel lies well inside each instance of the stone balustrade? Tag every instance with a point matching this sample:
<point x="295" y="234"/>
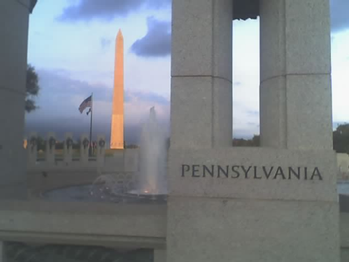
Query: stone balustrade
<point x="76" y="153"/>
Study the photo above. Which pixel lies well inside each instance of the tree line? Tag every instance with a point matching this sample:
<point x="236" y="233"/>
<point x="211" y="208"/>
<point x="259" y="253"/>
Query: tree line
<point x="340" y="140"/>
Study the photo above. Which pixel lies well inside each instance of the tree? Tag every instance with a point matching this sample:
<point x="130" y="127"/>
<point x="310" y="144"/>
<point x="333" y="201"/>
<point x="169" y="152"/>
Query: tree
<point x="32" y="89"/>
<point x="341" y="139"/>
<point x="254" y="142"/>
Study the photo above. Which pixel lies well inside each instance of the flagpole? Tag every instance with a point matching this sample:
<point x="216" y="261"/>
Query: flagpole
<point x="90" y="151"/>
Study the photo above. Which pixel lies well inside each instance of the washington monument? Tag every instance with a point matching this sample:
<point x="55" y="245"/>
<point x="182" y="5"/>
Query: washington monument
<point x="117" y="121"/>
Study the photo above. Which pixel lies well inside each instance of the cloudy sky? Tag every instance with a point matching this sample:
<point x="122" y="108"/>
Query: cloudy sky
<point x="72" y="46"/>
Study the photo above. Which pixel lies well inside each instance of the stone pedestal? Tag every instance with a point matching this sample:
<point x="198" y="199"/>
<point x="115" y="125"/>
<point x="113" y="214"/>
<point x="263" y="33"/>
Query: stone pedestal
<point x="84" y="148"/>
<point x="32" y="149"/>
<point x="101" y="144"/>
<point x="252" y="205"/>
<point x="50" y="148"/>
<point x="13" y="64"/>
<point x="68" y="148"/>
<point x="275" y="203"/>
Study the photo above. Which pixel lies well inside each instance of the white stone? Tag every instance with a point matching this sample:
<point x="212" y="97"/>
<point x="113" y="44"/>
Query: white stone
<point x="50" y="148"/>
<point x="254" y="186"/>
<point x="101" y="145"/>
<point x="159" y="255"/>
<point x="293" y="123"/>
<point x="2" y="252"/>
<point x="295" y="74"/>
<point x="246" y="216"/>
<point x="99" y="224"/>
<point x="131" y="160"/>
<point x="344" y="255"/>
<point x="32" y="149"/>
<point x="84" y="148"/>
<point x="201" y="93"/>
<point x="309" y="112"/>
<point x="217" y="229"/>
<point x="68" y="148"/>
<point x="344" y="230"/>
<point x="295" y="37"/>
<point x="201" y="112"/>
<point x="13" y="63"/>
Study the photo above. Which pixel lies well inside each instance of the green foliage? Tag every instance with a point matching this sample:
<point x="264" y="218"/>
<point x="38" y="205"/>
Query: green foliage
<point x="341" y="139"/>
<point x="32" y="89"/>
<point x="254" y="142"/>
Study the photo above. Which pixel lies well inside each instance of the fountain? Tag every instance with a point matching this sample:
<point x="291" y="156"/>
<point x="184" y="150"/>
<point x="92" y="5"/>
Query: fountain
<point x="150" y="180"/>
<point x="151" y="176"/>
<point x="149" y="183"/>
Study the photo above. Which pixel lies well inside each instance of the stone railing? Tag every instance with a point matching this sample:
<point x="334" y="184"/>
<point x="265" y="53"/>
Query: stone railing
<point x="66" y="155"/>
<point x="76" y="155"/>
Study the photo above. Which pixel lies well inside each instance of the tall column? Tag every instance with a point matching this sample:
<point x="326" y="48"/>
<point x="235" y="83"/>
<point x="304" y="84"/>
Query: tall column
<point x="117" y="121"/>
<point x="201" y="120"/>
<point x="295" y="89"/>
<point x="3" y="257"/>
<point x="201" y="93"/>
<point x="13" y="64"/>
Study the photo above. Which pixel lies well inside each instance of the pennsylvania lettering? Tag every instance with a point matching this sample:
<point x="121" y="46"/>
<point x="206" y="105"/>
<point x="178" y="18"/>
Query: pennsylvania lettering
<point x="251" y="172"/>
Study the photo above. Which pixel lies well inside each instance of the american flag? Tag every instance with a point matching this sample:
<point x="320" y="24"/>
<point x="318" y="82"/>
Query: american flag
<point x="86" y="103"/>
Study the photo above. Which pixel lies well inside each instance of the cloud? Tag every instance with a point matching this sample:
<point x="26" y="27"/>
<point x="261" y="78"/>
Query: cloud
<point x="106" y="42"/>
<point x="87" y="10"/>
<point x="61" y="96"/>
<point x="339" y="15"/>
<point x="157" y="41"/>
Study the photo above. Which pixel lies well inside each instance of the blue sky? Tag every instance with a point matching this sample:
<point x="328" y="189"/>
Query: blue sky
<point x="72" y="46"/>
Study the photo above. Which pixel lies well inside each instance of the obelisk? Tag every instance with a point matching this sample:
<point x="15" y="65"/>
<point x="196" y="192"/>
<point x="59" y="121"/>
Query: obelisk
<point x="117" y="121"/>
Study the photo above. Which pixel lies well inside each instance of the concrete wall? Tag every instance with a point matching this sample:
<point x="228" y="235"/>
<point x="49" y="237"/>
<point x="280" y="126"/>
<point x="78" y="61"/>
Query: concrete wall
<point x="129" y="226"/>
<point x="344" y="233"/>
<point x="14" y="19"/>
<point x="140" y="226"/>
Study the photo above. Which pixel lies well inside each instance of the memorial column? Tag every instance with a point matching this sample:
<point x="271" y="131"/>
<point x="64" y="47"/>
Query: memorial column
<point x="201" y="93"/>
<point x="14" y="17"/>
<point x="295" y="88"/>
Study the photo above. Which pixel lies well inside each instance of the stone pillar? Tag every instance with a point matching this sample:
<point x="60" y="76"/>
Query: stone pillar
<point x="68" y="148"/>
<point x="201" y="93"/>
<point x="84" y="147"/>
<point x="50" y="148"/>
<point x="3" y="257"/>
<point x="252" y="204"/>
<point x="159" y="255"/>
<point x="32" y="149"/>
<point x="344" y="254"/>
<point x="101" y="144"/>
<point x="13" y="64"/>
<point x="295" y="74"/>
